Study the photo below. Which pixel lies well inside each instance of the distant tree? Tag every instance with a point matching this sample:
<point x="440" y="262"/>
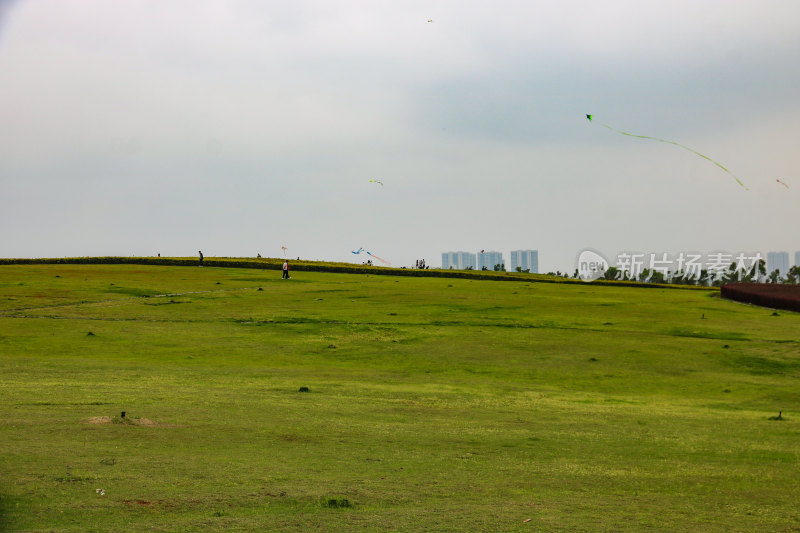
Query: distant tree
<point x="500" y="267"/>
<point x="775" y="276"/>
<point x="731" y="275"/>
<point x="746" y="276"/>
<point x="519" y="269"/>
<point x="679" y="278"/>
<point x="760" y="270"/>
<point x="611" y="273"/>
<point x="793" y="276"/>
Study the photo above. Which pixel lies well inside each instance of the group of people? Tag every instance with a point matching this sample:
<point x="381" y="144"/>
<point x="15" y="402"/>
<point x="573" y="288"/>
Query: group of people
<point x="285" y="267"/>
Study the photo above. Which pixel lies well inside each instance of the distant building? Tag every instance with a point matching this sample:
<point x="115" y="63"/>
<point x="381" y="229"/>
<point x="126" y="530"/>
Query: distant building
<point x="778" y="261"/>
<point x="489" y="260"/>
<point x="525" y="259"/>
<point x="797" y="259"/>
<point x="458" y="260"/>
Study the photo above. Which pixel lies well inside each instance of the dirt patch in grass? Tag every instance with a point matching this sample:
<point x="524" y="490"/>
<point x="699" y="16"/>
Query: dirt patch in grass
<point x="127" y="421"/>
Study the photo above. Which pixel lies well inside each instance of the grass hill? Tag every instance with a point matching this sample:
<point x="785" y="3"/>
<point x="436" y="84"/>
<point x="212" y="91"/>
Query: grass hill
<point x="427" y="404"/>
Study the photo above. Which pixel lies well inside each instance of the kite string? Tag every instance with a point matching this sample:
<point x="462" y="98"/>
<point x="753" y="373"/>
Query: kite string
<point x="677" y="144"/>
<point x="379" y="259"/>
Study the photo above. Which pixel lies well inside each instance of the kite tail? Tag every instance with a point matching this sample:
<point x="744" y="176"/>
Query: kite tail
<point x="682" y="146"/>
<point x="379" y="259"/>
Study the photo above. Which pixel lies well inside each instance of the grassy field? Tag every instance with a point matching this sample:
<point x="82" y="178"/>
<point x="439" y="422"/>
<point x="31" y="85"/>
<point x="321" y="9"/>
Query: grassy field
<point x="432" y="404"/>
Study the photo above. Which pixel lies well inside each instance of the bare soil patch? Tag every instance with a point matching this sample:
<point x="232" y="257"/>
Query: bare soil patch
<point x="127" y="421"/>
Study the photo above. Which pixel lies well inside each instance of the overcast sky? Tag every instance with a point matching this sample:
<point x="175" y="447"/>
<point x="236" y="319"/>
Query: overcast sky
<point x="238" y="127"/>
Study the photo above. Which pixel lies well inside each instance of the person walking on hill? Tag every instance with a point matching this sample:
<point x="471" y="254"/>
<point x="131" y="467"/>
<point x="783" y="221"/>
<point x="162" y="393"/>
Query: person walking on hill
<point x="201" y="258"/>
<point x="286" y="269"/>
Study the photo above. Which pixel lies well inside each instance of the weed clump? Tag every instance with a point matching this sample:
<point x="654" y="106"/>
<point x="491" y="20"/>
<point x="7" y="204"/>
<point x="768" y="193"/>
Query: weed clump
<point x="336" y="503"/>
<point x="303" y="389"/>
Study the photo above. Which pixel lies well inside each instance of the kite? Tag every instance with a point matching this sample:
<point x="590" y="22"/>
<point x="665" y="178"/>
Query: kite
<point x="430" y="20"/>
<point x="371" y="255"/>
<point x="782" y="183"/>
<point x="284" y="250"/>
<point x="376" y="181"/>
<point x="589" y="118"/>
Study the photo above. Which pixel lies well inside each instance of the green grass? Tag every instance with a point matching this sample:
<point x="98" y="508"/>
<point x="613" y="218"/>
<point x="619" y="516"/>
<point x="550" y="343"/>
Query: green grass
<point x="433" y="404"/>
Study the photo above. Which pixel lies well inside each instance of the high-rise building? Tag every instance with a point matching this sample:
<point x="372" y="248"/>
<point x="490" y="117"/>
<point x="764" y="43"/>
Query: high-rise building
<point x="458" y="260"/>
<point x="525" y="259"/>
<point x="489" y="260"/>
<point x="797" y="259"/>
<point x="448" y="260"/>
<point x="778" y="261"/>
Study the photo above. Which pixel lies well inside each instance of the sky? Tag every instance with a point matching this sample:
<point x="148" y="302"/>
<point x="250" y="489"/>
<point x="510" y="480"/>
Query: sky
<point x="237" y="127"/>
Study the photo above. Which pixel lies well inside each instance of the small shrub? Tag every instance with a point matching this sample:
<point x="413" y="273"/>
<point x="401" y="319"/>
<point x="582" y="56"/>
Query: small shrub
<point x="337" y="503"/>
<point x="303" y="389"/>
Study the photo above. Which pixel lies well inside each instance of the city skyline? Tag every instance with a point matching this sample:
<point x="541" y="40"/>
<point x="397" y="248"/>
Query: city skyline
<point x="778" y="261"/>
<point x="525" y="260"/>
